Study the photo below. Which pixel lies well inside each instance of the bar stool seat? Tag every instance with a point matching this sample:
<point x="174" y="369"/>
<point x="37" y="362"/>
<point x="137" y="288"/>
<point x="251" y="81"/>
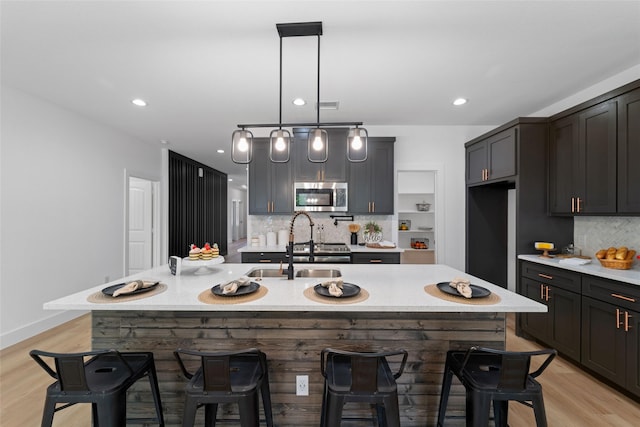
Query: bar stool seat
<point x="360" y="377"/>
<point x="226" y="377"/>
<point x="101" y="378"/>
<point x="494" y="376"/>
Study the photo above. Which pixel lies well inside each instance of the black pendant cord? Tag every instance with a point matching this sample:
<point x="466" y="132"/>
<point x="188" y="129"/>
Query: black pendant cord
<point x="318" y="95"/>
<point x="280" y="117"/>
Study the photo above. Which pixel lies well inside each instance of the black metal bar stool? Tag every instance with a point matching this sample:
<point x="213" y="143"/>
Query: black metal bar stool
<point x="360" y="377"/>
<point x="227" y="377"/>
<point x="101" y="378"/>
<point x="494" y="376"/>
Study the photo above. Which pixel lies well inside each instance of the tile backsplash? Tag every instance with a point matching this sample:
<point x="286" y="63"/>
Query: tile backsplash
<point x="594" y="233"/>
<point x="331" y="233"/>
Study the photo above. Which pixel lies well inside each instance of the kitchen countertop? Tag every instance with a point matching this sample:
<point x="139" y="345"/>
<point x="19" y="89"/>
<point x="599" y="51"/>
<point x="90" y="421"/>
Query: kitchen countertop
<point x="594" y="268"/>
<point x="391" y="287"/>
<point x="353" y="248"/>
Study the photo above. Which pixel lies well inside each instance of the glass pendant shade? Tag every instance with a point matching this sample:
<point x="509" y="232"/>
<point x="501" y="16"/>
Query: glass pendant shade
<point x="357" y="144"/>
<point x="318" y="146"/>
<point x="241" y="146"/>
<point x="279" y="145"/>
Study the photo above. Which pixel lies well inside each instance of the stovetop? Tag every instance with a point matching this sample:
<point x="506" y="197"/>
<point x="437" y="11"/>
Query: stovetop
<point x="322" y="248"/>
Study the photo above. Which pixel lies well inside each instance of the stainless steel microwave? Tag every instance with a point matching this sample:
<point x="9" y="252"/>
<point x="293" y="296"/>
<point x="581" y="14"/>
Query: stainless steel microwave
<point x="321" y="196"/>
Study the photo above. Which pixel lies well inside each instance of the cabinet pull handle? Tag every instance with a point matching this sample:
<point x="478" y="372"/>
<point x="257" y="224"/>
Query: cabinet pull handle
<point x="623" y="297"/>
<point x="373" y="204"/>
<point x="578" y="204"/>
<point x="546" y="296"/>
<point x="617" y="318"/>
<point x="573" y="201"/>
<point x="375" y="261"/>
<point x="545" y="276"/>
<point x="541" y="292"/>
<point x="626" y="321"/>
<point x="265" y="260"/>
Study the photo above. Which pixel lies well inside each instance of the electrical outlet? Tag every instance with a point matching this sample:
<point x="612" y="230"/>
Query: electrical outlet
<point x="302" y="385"/>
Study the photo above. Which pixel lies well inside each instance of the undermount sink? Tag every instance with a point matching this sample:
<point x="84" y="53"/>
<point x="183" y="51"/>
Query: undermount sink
<point x="266" y="272"/>
<point x="318" y="272"/>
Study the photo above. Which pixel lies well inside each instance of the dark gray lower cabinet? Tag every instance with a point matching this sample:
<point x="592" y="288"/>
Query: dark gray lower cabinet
<point x="265" y="257"/>
<point x="594" y="321"/>
<point x="374" y="258"/>
<point x="610" y="331"/>
<point x="558" y="327"/>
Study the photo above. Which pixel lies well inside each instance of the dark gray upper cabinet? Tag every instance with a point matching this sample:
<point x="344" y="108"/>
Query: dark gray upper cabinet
<point x="593" y="148"/>
<point x="583" y="162"/>
<point x="270" y="184"/>
<point x="334" y="169"/>
<point x="629" y="152"/>
<point x="371" y="182"/>
<point x="493" y="158"/>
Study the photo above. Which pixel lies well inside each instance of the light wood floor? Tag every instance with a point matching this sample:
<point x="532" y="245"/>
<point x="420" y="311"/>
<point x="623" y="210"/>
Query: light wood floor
<point x="572" y="398"/>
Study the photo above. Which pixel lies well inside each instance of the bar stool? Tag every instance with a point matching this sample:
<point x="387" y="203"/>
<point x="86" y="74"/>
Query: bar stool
<point x="360" y="377"/>
<point x="496" y="376"/>
<point x="227" y="377"/>
<point x="101" y="378"/>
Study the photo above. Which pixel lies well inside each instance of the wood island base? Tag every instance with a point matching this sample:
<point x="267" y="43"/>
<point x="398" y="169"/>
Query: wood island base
<point x="292" y="342"/>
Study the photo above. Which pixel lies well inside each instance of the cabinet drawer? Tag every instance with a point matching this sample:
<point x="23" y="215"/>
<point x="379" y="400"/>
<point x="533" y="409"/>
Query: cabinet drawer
<point x="265" y="257"/>
<point x="568" y="280"/>
<point x="617" y="293"/>
<point x="369" y="258"/>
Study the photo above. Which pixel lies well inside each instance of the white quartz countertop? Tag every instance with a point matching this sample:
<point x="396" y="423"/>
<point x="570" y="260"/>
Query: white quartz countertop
<point x="391" y="288"/>
<point x="353" y="248"/>
<point x="594" y="268"/>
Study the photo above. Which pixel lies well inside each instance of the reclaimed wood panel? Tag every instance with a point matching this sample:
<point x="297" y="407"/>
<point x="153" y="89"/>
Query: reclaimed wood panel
<point x="292" y="342"/>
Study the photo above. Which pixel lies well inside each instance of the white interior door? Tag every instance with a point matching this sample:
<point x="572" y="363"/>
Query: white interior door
<point x="140" y="225"/>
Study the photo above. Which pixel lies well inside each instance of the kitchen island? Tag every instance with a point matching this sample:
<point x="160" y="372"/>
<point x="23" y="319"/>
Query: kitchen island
<point x="292" y="327"/>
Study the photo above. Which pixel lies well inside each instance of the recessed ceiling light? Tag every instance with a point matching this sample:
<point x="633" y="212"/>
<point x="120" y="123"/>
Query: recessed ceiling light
<point x="220" y="151"/>
<point x="139" y="102"/>
<point x="164" y="142"/>
<point x="244" y="186"/>
<point x="460" y="101"/>
<point x="230" y="179"/>
<point x="299" y="102"/>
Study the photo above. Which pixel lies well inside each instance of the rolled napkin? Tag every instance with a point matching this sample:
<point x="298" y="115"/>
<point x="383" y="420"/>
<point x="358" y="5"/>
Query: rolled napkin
<point x="334" y="286"/>
<point x="232" y="286"/>
<point x="134" y="286"/>
<point x="463" y="286"/>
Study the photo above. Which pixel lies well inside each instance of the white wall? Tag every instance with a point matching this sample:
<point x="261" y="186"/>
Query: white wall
<point x="62" y="214"/>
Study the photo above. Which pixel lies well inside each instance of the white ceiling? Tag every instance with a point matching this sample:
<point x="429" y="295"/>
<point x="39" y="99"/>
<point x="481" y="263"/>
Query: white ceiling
<point x="205" y="66"/>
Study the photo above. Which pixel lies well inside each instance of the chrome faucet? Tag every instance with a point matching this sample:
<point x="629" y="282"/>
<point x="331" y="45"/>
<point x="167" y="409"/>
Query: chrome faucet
<point x="291" y="239"/>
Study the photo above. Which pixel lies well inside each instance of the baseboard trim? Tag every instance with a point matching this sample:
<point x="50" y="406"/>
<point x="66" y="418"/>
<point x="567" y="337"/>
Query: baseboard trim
<point x="13" y="337"/>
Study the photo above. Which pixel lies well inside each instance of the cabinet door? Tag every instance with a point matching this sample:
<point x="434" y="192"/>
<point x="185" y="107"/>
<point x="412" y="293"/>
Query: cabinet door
<point x="596" y="173"/>
<point x="371" y="183"/>
<point x="603" y="344"/>
<point x="476" y="162"/>
<point x="564" y="139"/>
<point x="334" y="169"/>
<point x="359" y="188"/>
<point x="382" y="182"/>
<point x="564" y="308"/>
<point x="633" y="347"/>
<point x="501" y="150"/>
<point x="260" y="179"/>
<point x="535" y="324"/>
<point x="281" y="188"/>
<point x="375" y="258"/>
<point x="629" y="153"/>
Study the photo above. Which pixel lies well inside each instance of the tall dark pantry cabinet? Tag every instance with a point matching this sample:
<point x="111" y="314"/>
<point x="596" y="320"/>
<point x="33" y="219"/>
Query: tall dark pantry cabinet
<point x="197" y="205"/>
<point x="512" y="156"/>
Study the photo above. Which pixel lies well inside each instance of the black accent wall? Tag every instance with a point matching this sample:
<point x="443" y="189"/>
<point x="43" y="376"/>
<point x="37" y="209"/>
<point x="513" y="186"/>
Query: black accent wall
<point x="197" y="205"/>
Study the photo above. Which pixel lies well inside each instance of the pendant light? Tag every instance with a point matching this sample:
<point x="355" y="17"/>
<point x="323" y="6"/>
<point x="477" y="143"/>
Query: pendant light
<point x="280" y="139"/>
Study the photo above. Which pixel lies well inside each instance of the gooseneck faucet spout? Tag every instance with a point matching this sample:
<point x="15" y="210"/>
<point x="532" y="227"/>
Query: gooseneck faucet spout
<point x="291" y="239"/>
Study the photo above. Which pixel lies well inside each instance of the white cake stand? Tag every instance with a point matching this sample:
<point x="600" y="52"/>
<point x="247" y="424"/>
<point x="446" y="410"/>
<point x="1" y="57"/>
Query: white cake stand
<point x="203" y="265"/>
